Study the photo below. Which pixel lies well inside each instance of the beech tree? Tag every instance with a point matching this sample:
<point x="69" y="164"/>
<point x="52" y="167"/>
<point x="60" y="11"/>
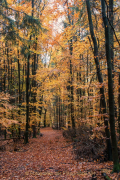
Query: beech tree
<point x="99" y="74"/>
<point x="116" y="167"/>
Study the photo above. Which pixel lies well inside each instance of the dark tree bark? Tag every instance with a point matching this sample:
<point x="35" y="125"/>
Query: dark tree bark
<point x="119" y="106"/>
<point x="59" y="112"/>
<point x="45" y="118"/>
<point x="34" y="130"/>
<point x="71" y="89"/>
<point x="40" y="107"/>
<point x="11" y="79"/>
<point x="56" y="113"/>
<point x="27" y="90"/>
<point x="5" y="71"/>
<point x="34" y="94"/>
<point x="27" y="100"/>
<point x="116" y="167"/>
<point x="19" y="92"/>
<point x="5" y="133"/>
<point x="100" y="79"/>
<point x="111" y="17"/>
<point x="8" y="68"/>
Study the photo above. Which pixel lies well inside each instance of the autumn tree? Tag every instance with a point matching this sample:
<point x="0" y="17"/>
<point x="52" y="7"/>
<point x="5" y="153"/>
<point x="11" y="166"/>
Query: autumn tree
<point x="99" y="78"/>
<point x="116" y="167"/>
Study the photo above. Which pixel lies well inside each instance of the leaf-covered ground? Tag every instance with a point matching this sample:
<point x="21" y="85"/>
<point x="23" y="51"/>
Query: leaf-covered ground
<point x="49" y="157"/>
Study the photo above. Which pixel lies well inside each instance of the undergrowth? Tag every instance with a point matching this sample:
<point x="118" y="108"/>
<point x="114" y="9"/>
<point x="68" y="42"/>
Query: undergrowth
<point x="87" y="144"/>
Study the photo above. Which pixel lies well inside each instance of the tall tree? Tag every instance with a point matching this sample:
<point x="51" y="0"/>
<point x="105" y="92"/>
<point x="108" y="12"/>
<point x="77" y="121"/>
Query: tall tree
<point x="34" y="79"/>
<point x="111" y="17"/>
<point x="100" y="79"/>
<point x="70" y="19"/>
<point x="27" y="97"/>
<point x="116" y="167"/>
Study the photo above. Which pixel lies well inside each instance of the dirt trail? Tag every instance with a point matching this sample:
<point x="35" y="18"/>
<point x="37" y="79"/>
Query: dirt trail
<point x="44" y="158"/>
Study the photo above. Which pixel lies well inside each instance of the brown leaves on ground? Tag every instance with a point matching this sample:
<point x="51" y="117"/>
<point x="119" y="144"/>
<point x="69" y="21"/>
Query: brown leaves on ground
<point x="49" y="157"/>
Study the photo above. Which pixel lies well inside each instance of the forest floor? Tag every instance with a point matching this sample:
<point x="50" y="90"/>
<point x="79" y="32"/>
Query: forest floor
<point x="50" y="157"/>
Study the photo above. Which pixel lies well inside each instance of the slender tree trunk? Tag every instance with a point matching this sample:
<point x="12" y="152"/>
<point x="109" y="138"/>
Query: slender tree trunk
<point x="56" y="117"/>
<point x="19" y="92"/>
<point x="19" y="81"/>
<point x="23" y="77"/>
<point x="4" y="76"/>
<point x="88" y="97"/>
<point x="111" y="17"/>
<point x="5" y="133"/>
<point x="27" y="90"/>
<point x="45" y="118"/>
<point x="8" y="69"/>
<point x="99" y="75"/>
<point x="70" y="19"/>
<point x="116" y="167"/>
<point x="78" y="93"/>
<point x="71" y="89"/>
<point x="11" y="80"/>
<point x="119" y="106"/>
<point x="59" y="112"/>
<point x="27" y="100"/>
<point x="34" y="94"/>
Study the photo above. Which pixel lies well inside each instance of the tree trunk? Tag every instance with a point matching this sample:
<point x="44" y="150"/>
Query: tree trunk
<point x="119" y="106"/>
<point x="8" y="69"/>
<point x="19" y="92"/>
<point x="116" y="167"/>
<point x="99" y="75"/>
<point x="34" y="94"/>
<point x="27" y="100"/>
<point x="70" y="19"/>
<point x="59" y="117"/>
<point x="45" y="118"/>
<point x="111" y="17"/>
<point x="71" y="89"/>
<point x="34" y="130"/>
<point x="4" y="76"/>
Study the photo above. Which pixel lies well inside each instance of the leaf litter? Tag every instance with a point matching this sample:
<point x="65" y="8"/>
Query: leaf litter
<point x="45" y="158"/>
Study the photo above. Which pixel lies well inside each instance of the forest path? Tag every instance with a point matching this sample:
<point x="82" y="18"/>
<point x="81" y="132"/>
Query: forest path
<point x="45" y="158"/>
